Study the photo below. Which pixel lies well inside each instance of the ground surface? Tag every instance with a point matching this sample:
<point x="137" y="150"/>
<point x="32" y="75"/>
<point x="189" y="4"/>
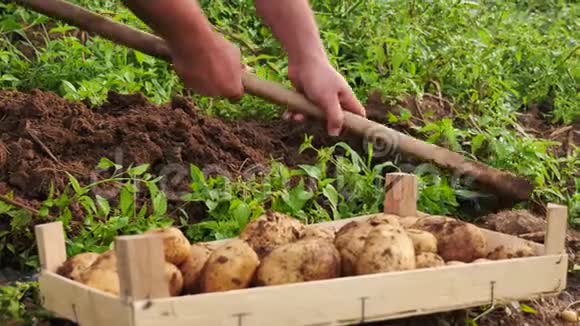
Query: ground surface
<point x="43" y="136"/>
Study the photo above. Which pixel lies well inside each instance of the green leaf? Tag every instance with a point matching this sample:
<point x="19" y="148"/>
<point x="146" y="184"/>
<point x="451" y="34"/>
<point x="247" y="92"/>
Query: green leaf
<point x="297" y="197"/>
<point x="75" y="184"/>
<point x="103" y="204"/>
<point x="126" y="201"/>
<point x="160" y="204"/>
<point x="240" y="211"/>
<point x="106" y="164"/>
<point x="476" y="143"/>
<point x="332" y="195"/>
<point x="312" y="171"/>
<point x="138" y="170"/>
<point x="527" y="309"/>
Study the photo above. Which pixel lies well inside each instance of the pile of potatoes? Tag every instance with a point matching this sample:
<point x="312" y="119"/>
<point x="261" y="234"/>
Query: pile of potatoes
<point x="277" y="249"/>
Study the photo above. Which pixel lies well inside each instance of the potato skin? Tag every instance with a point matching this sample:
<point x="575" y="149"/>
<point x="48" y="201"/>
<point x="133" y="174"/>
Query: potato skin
<point x="271" y="230"/>
<point x="73" y="267"/>
<point x="350" y="240"/>
<point x="503" y="252"/>
<point x="386" y="249"/>
<point x="301" y="261"/>
<point x="456" y="240"/>
<point x="193" y="266"/>
<point x="428" y="259"/>
<point x="103" y="279"/>
<point x="380" y="219"/>
<point x="408" y="221"/>
<point x="175" y="244"/>
<point x="423" y="241"/>
<point x="174" y="279"/>
<point x="318" y="232"/>
<point x="229" y="267"/>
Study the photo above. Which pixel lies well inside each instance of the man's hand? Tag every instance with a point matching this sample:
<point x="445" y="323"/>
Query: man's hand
<point x="206" y="62"/>
<point x="325" y="87"/>
<point x="292" y="22"/>
<point x="213" y="68"/>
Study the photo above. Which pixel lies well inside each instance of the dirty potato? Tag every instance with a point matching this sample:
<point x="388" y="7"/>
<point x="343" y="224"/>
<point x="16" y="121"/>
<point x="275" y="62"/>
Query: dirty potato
<point x="175" y="244"/>
<point x="422" y="240"/>
<point x="408" y="221"/>
<point x="456" y="240"/>
<point x="428" y="259"/>
<point x="193" y="266"/>
<point x="384" y="219"/>
<point x="174" y="279"/>
<point x="386" y="249"/>
<point x="349" y="241"/>
<point x="230" y="266"/>
<point x="104" y="279"/>
<point x="301" y="261"/>
<point x="270" y="231"/>
<point x="503" y="252"/>
<point x="318" y="232"/>
<point x="74" y="266"/>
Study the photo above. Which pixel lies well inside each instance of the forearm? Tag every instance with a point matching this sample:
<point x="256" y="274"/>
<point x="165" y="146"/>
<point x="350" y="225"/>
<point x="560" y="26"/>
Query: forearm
<point x="174" y="20"/>
<point x="292" y="23"/>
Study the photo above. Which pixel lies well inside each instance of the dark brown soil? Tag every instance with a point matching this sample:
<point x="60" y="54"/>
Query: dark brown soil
<point x="44" y="136"/>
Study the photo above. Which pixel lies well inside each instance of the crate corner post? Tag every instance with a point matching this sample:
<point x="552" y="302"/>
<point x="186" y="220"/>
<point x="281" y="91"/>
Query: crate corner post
<point x="400" y="194"/>
<point x="140" y="264"/>
<point x="50" y="241"/>
<point x="555" y="239"/>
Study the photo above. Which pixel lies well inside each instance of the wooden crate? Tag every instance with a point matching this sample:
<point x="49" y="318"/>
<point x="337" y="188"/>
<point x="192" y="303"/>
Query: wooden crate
<point x="341" y="301"/>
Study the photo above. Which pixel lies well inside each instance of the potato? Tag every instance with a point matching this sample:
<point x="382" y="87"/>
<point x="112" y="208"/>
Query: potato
<point x="456" y="240"/>
<point x="301" y="261"/>
<point x="230" y="266"/>
<point x="422" y="240"/>
<point x="384" y="219"/>
<point x="192" y="268"/>
<point x="387" y="248"/>
<point x="428" y="259"/>
<point x="74" y="266"/>
<point x="174" y="279"/>
<point x="408" y="221"/>
<point x="104" y="279"/>
<point x="503" y="252"/>
<point x="270" y="231"/>
<point x="481" y="260"/>
<point x="106" y="260"/>
<point x="318" y="232"/>
<point x="349" y="241"/>
<point x="175" y="244"/>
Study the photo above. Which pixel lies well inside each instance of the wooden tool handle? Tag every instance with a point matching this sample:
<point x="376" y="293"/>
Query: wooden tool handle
<point x="503" y="183"/>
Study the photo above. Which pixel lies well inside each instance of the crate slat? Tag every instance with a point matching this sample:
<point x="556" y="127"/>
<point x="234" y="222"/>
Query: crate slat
<point x="386" y="296"/>
<point x="82" y="304"/>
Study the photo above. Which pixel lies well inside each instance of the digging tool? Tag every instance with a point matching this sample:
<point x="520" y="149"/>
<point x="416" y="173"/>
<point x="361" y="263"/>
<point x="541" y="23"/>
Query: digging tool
<point x="502" y="183"/>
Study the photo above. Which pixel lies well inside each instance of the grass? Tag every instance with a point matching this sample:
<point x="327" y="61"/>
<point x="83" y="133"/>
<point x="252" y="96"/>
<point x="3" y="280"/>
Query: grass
<point x="490" y="60"/>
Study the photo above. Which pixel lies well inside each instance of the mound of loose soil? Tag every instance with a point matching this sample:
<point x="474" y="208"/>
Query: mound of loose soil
<point x="42" y="136"/>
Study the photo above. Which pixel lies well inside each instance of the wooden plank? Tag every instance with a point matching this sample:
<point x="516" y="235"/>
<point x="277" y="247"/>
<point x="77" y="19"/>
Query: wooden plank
<point x="400" y="194"/>
<point x="141" y="267"/>
<point x="81" y="304"/>
<point x="349" y="300"/>
<point x="51" y="245"/>
<point x="555" y="240"/>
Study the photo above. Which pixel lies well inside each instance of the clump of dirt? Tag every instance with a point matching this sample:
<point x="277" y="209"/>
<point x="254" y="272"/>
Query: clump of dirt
<point x="514" y="222"/>
<point x="534" y="123"/>
<point x="45" y="136"/>
<point x="428" y="108"/>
